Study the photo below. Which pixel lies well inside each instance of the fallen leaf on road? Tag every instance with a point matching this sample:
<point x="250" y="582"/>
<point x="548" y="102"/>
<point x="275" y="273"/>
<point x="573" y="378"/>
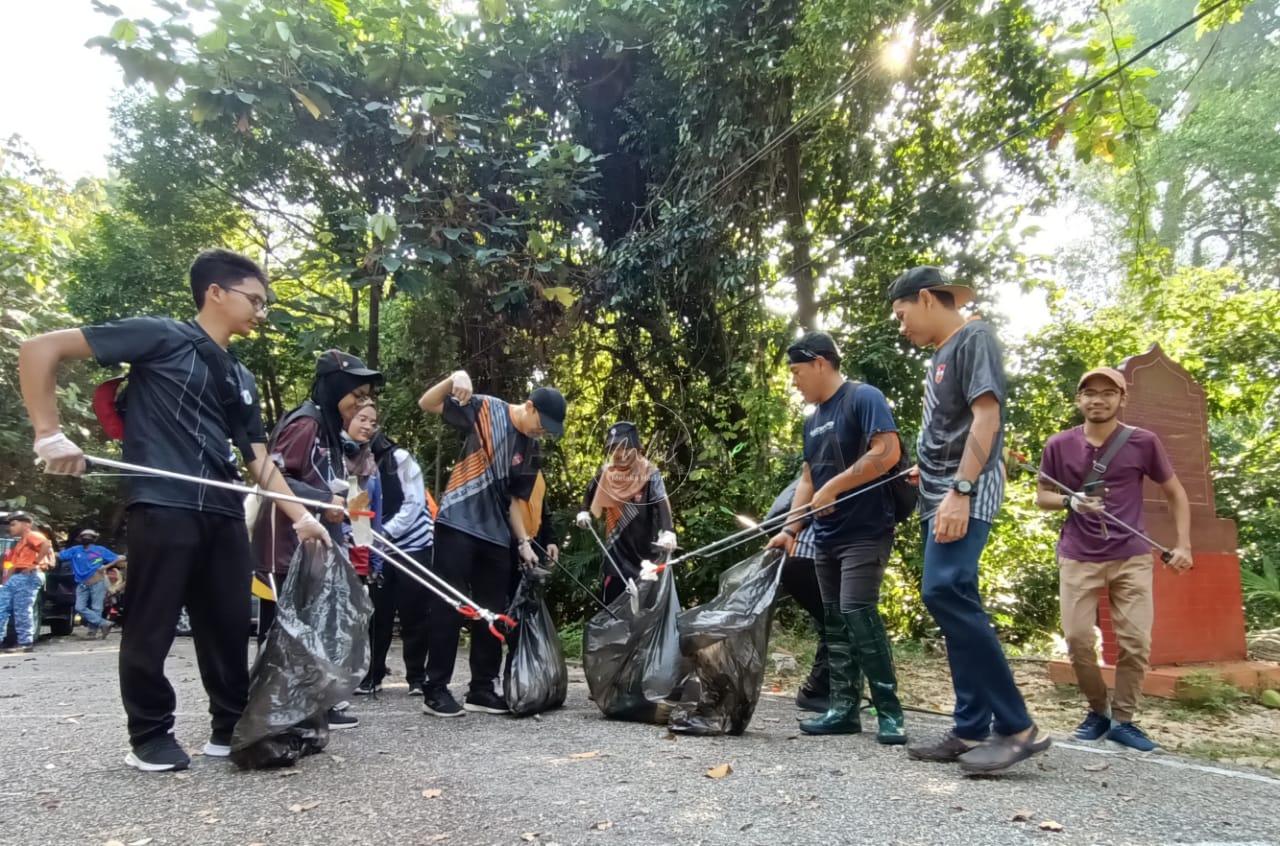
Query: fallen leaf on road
<point x="432" y="793"/>
<point x="603" y="825"/>
<point x="143" y="842"/>
<point x="1022" y="816"/>
<point x="299" y="807"/>
<point x="720" y="771"/>
<point x="337" y="759"/>
<point x="1050" y="825"/>
<point x="50" y="766"/>
<point x="582" y="756"/>
<point x="1096" y="768"/>
<point x="529" y="836"/>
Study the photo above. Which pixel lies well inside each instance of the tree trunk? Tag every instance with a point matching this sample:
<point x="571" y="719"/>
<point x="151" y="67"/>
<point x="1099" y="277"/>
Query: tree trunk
<point x="797" y="233"/>
<point x="375" y="313"/>
<point x="353" y="313"/>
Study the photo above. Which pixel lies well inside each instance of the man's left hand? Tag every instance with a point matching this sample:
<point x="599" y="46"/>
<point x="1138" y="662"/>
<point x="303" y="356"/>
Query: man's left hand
<point x="553" y="553"/>
<point x="1180" y="559"/>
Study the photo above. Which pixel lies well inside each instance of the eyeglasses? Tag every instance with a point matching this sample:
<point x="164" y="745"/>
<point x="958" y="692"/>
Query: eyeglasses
<point x="259" y="304"/>
<point x="1106" y="393"/>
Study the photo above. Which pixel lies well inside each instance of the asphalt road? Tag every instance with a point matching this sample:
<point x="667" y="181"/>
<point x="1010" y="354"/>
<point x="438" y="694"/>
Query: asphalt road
<point x="568" y="777"/>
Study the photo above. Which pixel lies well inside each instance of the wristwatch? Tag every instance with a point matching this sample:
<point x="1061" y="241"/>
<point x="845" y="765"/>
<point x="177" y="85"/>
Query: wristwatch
<point x="963" y="487"/>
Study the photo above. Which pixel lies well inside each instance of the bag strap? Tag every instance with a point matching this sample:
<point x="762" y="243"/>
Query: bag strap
<point x="215" y="359"/>
<point x="1100" y="465"/>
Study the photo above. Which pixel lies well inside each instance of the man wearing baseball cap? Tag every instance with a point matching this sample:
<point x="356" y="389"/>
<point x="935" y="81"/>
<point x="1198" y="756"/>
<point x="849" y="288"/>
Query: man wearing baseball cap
<point x="479" y="518"/>
<point x="961" y="478"/>
<point x="1105" y="462"/>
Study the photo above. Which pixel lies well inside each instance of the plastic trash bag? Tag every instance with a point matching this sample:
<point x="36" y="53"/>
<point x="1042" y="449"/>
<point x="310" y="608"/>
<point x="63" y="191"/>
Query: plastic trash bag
<point x="314" y="656"/>
<point x="537" y="677"/>
<point x="632" y="656"/>
<point x="727" y="642"/>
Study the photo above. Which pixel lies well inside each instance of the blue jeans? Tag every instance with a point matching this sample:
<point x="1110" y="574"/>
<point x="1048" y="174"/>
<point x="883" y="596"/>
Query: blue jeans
<point x="19" y="597"/>
<point x="983" y="682"/>
<point x="90" y="600"/>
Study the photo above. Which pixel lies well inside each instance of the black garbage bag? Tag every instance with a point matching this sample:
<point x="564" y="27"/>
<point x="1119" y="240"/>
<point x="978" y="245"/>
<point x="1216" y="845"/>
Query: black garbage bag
<point x="631" y="653"/>
<point x="314" y="655"/>
<point x="727" y="642"/>
<point x="537" y="678"/>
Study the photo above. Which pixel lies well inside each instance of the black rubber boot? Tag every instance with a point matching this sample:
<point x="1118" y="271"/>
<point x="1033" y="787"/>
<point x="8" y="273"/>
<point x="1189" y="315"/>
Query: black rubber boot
<point x="846" y="680"/>
<point x="871" y="646"/>
<point x="815" y="693"/>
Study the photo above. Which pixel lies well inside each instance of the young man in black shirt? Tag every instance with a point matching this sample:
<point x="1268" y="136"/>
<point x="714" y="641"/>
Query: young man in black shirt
<point x="189" y="400"/>
<point x="850" y="441"/>
<point x="961" y="479"/>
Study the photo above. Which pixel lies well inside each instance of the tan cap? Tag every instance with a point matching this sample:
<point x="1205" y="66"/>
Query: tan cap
<point x="1109" y="373"/>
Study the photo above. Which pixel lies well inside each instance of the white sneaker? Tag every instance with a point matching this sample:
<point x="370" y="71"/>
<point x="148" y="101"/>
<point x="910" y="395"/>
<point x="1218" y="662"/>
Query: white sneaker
<point x="216" y="750"/>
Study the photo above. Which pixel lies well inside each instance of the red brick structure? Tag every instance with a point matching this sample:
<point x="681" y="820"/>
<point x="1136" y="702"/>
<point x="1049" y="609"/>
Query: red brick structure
<point x="1199" y="614"/>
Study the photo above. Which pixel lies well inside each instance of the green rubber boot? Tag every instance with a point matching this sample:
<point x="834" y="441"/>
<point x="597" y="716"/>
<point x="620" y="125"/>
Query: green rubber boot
<point x="846" y="680"/>
<point x="872" y="651"/>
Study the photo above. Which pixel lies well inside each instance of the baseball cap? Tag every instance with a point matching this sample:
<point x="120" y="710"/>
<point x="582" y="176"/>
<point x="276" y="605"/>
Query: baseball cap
<point x="623" y="432"/>
<point x="928" y="278"/>
<point x="336" y="361"/>
<point x="1108" y="373"/>
<point x="551" y="409"/>
<point x="19" y="516"/>
<point x="812" y="346"/>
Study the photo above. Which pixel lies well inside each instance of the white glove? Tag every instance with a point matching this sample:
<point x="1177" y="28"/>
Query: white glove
<point x="309" y="528"/>
<point x="61" y="457"/>
<point x="648" y="571"/>
<point x="1082" y="504"/>
<point x="583" y="519"/>
<point x="462" y="389"/>
<point x="667" y="540"/>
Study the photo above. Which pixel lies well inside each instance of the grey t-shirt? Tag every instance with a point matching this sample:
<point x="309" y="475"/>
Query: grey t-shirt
<point x="964" y="368"/>
<point x="174" y="419"/>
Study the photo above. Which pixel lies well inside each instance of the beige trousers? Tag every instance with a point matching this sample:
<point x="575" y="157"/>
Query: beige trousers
<point x="1128" y="586"/>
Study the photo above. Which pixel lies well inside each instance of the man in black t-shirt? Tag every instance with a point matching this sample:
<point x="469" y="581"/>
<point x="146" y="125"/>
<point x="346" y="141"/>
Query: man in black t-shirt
<point x="850" y="441"/>
<point x="188" y="399"/>
<point x="961" y="479"/>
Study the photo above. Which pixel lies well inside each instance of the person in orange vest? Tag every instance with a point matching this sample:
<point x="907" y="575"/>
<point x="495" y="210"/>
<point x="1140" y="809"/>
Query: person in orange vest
<point x="32" y="554"/>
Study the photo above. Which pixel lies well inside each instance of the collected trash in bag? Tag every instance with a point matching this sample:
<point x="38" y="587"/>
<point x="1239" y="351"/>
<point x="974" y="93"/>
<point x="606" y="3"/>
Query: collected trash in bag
<point x="631" y="653"/>
<point x="727" y="642"/>
<point x="537" y="678"/>
<point x="314" y="655"/>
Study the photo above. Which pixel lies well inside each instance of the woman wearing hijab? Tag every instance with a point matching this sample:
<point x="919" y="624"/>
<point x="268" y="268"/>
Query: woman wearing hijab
<point x="307" y="447"/>
<point x="629" y="495"/>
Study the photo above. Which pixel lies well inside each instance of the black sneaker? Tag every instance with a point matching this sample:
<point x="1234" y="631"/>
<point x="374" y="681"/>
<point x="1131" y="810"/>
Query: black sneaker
<point x="219" y="746"/>
<point x="339" y="720"/>
<point x="158" y="755"/>
<point x="944" y="750"/>
<point x="439" y="702"/>
<point x="415" y="688"/>
<point x="486" y="702"/>
<point x="367" y="688"/>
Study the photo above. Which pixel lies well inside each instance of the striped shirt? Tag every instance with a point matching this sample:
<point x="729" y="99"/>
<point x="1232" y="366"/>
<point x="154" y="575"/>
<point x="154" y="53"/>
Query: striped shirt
<point x="967" y="366"/>
<point x="411" y="527"/>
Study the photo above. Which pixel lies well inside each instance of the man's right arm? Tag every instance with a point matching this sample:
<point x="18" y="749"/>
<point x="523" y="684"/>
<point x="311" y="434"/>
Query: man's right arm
<point x="458" y="384"/>
<point x="38" y="361"/>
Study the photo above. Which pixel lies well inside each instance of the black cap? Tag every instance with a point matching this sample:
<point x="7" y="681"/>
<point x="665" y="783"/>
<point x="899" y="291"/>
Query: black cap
<point x="551" y="409"/>
<point x="336" y="361"/>
<point x="812" y="346"/>
<point x="928" y="278"/>
<point x="20" y="516"/>
<point x="624" y="433"/>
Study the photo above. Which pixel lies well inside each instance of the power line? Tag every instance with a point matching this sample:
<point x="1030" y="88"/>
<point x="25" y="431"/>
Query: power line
<point x="1008" y="139"/>
<point x="773" y="143"/>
